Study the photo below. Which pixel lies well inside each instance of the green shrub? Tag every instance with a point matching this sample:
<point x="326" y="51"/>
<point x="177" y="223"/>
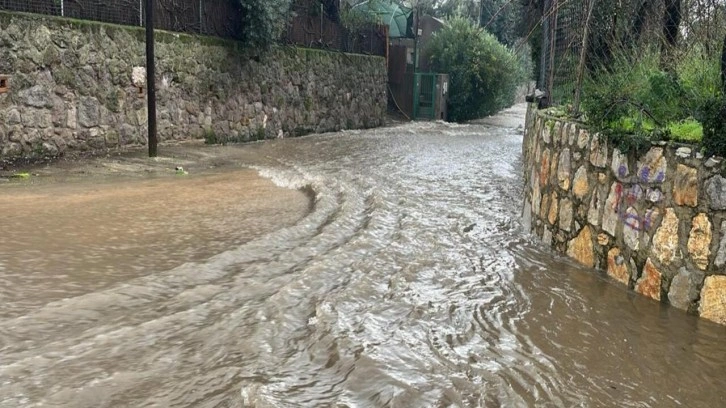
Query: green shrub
<point x="263" y="21"/>
<point x="635" y="101"/>
<point x="714" y="126"/>
<point x="699" y="76"/>
<point x="689" y="131"/>
<point x="484" y="74"/>
<point x="636" y="90"/>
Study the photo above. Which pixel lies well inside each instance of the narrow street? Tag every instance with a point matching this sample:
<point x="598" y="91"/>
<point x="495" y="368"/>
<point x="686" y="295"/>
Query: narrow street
<point x="376" y="268"/>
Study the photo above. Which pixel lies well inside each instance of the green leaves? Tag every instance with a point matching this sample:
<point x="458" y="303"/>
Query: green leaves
<point x="263" y="21"/>
<point x="635" y="101"/>
<point x="484" y="73"/>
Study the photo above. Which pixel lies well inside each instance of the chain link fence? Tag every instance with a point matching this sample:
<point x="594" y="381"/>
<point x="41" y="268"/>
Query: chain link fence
<point x="314" y="23"/>
<point x="219" y="18"/>
<point x="580" y="39"/>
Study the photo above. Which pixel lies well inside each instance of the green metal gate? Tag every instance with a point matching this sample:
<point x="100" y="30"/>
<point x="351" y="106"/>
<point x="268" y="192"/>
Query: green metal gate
<point x="424" y="96"/>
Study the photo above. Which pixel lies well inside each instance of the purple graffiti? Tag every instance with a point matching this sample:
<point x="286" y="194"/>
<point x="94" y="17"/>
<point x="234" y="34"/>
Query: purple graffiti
<point x="632" y="221"/>
<point x="629" y="198"/>
<point x="645" y="175"/>
<point x="622" y="171"/>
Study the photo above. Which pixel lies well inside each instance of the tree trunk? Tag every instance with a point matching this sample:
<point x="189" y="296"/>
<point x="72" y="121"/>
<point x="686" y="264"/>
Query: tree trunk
<point x="671" y="24"/>
<point x="723" y="67"/>
<point x="638" y="24"/>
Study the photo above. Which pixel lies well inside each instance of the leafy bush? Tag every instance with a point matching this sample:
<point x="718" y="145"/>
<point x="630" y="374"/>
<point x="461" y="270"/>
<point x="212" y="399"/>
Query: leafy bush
<point x="263" y="21"/>
<point x="714" y="126"/>
<point x="632" y="94"/>
<point x="689" y="130"/>
<point x="699" y="76"/>
<point x="635" y="101"/>
<point x="484" y="74"/>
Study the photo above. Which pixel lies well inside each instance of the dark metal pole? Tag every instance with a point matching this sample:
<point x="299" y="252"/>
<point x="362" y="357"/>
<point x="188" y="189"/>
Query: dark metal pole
<point x="544" y="57"/>
<point x="150" y="77"/>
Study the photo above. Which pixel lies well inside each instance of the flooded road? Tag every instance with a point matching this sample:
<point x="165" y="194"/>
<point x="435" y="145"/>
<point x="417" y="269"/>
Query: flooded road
<point x="406" y="281"/>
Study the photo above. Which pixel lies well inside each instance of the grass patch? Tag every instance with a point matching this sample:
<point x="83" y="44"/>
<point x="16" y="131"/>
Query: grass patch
<point x="689" y="131"/>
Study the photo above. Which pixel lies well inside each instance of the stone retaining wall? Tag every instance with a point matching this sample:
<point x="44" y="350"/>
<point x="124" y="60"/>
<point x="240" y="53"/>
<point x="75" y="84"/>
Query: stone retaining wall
<point x="79" y="85"/>
<point x="656" y="223"/>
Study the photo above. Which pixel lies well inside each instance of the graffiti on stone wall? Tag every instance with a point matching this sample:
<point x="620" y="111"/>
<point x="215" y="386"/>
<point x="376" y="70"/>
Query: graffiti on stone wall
<point x="629" y="198"/>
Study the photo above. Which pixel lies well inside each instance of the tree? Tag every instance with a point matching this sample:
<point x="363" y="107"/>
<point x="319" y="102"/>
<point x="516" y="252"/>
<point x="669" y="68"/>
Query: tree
<point x="671" y="24"/>
<point x="484" y="74"/>
<point x="263" y="21"/>
<point x="503" y="18"/>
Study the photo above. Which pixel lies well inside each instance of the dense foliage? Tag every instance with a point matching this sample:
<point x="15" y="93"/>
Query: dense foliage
<point x="484" y="73"/>
<point x="714" y="127"/>
<point x="635" y="100"/>
<point x="263" y="21"/>
<point x="503" y="18"/>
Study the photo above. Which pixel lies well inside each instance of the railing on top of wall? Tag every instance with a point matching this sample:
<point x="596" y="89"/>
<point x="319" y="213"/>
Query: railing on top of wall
<point x="309" y="27"/>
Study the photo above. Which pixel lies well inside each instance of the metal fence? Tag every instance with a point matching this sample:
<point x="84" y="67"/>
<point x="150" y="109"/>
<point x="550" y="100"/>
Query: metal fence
<point x="220" y="18"/>
<point x="580" y="37"/>
<point x="313" y="23"/>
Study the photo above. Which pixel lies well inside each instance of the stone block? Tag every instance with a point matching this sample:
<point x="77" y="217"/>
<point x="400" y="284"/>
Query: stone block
<point x="713" y="299"/>
<point x="554" y="209"/>
<point x="610" y="217"/>
<point x="553" y="168"/>
<point x="632" y="226"/>
<point x="566" y="215"/>
<point x="89" y="112"/>
<point x="652" y="167"/>
<point x="580" y="184"/>
<point x="716" y="190"/>
<point x="720" y="261"/>
<point x="665" y="240"/>
<point x="685" y="186"/>
<point x="712" y="162"/>
<point x="13" y="117"/>
<point x="571" y="131"/>
<point x="544" y="208"/>
<point x="699" y="241"/>
<point x="544" y="173"/>
<point x="564" y="170"/>
<point x="563" y="132"/>
<point x="683" y="292"/>
<point x="684" y="152"/>
<point x="50" y="149"/>
<point x="583" y="138"/>
<point x="654" y="195"/>
<point x="593" y="213"/>
<point x="618" y="266"/>
<point x="547" y="237"/>
<point x="37" y="96"/>
<point x="650" y="219"/>
<point x="527" y="215"/>
<point x="581" y="248"/>
<point x="650" y="281"/>
<point x="536" y="196"/>
<point x="37" y="118"/>
<point x="598" y="151"/>
<point x="619" y="165"/>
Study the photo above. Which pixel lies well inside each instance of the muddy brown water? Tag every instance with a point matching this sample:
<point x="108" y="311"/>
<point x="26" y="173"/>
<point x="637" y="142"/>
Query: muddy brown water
<point x="406" y="282"/>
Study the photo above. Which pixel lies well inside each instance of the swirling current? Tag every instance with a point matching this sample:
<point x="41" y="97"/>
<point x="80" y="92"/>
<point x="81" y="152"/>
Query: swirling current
<point x="391" y="271"/>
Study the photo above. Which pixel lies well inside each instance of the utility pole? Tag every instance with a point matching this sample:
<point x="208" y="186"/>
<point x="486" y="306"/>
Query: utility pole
<point x="150" y="77"/>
